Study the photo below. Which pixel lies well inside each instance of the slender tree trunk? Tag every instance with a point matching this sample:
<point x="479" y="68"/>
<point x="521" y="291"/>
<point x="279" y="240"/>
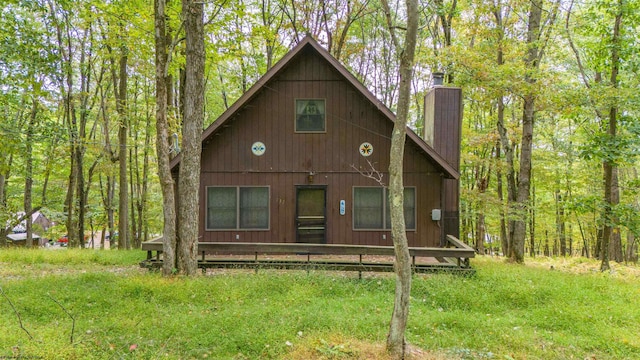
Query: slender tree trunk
<point x="560" y="221"/>
<point x="79" y="198"/>
<point x="107" y="192"/>
<point x="162" y="142"/>
<point x="2" y="185"/>
<point x="445" y="15"/>
<point x="398" y="324"/>
<point x="28" y="177"/>
<point x="144" y="185"/>
<point x="611" y="191"/>
<point x="48" y="167"/>
<point x="70" y="202"/>
<point x="133" y="171"/>
<point x="504" y="241"/>
<point x="123" y="195"/>
<point x="86" y="63"/>
<point x="3" y="205"/>
<point x="66" y="89"/>
<point x="516" y="251"/>
<point x="482" y="183"/>
<point x="615" y="245"/>
<point x="511" y="179"/>
<point x="506" y="221"/>
<point x="480" y="233"/>
<point x="632" y="248"/>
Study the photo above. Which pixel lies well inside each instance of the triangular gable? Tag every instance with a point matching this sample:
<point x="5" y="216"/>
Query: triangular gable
<point x="438" y="160"/>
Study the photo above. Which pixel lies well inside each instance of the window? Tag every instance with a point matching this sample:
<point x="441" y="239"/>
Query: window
<point x="371" y="208"/>
<point x="233" y="208"/>
<point x="310" y="115"/>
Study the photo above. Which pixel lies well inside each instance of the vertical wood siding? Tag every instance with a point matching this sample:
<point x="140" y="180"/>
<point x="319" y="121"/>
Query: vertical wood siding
<point x="290" y="157"/>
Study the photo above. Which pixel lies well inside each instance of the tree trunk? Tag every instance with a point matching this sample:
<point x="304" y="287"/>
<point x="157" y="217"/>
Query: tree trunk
<point x="48" y="167"/>
<point x="143" y="185"/>
<point x="560" y="223"/>
<point x="85" y="72"/>
<point x="2" y="184"/>
<point x="615" y="244"/>
<point x="79" y="161"/>
<point x="446" y="15"/>
<point x="66" y="90"/>
<point x="123" y="195"/>
<point x="516" y="250"/>
<point x="482" y="184"/>
<point x="69" y="207"/>
<point x="189" y="176"/>
<point x="398" y="324"/>
<point x="504" y="241"/>
<point x="480" y="233"/>
<point x="3" y="237"/>
<point x="611" y="191"/>
<point x="133" y="171"/>
<point x="108" y="195"/>
<point x="28" y="176"/>
<point x="162" y="142"/>
<point x="506" y="220"/>
<point x="632" y="248"/>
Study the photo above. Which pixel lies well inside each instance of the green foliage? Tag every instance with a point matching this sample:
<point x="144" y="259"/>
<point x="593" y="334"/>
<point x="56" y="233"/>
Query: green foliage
<point x="121" y="311"/>
<point x="569" y="141"/>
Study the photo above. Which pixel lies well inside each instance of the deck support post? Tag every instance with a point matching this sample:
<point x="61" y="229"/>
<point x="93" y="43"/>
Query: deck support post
<point x="255" y="259"/>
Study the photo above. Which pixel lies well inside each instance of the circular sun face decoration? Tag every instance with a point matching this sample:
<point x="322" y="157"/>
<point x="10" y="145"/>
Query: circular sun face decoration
<point x="258" y="148"/>
<point x="366" y="149"/>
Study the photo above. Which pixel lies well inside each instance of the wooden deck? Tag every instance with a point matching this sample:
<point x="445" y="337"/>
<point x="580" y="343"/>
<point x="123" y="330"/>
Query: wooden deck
<point x="361" y="258"/>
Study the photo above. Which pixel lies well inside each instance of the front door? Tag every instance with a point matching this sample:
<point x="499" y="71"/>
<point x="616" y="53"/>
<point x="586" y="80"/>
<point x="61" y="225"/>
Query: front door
<point x="311" y="222"/>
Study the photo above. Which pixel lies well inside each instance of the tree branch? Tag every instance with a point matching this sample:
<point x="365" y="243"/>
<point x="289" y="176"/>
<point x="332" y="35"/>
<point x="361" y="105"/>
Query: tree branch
<point x="392" y="33"/>
<point x="15" y="311"/>
<point x="372" y="173"/>
<point x="73" y="320"/>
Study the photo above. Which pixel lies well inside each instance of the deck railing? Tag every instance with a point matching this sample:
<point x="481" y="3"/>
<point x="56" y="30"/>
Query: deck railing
<point x="455" y="256"/>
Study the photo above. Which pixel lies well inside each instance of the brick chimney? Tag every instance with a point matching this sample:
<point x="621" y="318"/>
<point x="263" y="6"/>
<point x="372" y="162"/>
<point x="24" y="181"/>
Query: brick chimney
<point x="442" y="128"/>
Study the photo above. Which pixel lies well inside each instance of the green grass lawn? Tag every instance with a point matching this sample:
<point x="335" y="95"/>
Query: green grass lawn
<point x="503" y="312"/>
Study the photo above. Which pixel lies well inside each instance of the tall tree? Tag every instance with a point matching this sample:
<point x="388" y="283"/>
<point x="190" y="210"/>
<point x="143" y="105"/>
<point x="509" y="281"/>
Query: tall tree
<point x="536" y="43"/>
<point x="28" y="178"/>
<point x="76" y="104"/>
<point x="609" y="55"/>
<point x="123" y="122"/>
<point x="119" y="76"/>
<point x="162" y="140"/>
<point x="396" y="338"/>
<point x="189" y="173"/>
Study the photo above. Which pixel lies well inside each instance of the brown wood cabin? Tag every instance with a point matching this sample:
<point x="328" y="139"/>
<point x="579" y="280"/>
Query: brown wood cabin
<point x="285" y="163"/>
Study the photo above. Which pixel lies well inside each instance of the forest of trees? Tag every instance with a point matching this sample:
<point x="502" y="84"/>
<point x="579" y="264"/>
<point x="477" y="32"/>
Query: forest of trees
<point x="551" y="126"/>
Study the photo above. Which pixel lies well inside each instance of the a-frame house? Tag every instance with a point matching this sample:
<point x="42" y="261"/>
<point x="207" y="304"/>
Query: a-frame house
<point x="288" y="161"/>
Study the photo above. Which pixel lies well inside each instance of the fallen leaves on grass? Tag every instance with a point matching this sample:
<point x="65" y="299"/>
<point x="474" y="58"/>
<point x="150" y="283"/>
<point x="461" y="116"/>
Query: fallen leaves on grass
<point x="340" y="347"/>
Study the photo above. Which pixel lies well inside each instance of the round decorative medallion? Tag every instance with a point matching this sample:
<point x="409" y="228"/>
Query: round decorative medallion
<point x="366" y="149"/>
<point x="258" y="148"/>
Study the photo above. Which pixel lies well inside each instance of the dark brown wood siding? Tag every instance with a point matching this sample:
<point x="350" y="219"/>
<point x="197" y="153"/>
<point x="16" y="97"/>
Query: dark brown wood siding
<point x="443" y="126"/>
<point x="331" y="157"/>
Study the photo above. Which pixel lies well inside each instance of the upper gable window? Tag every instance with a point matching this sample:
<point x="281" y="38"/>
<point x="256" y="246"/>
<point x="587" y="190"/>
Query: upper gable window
<point x="310" y="115"/>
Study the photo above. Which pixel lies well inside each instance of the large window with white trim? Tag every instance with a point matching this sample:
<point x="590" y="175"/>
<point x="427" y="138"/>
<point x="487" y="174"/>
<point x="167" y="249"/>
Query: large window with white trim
<point x="371" y="208"/>
<point x="237" y="208"/>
